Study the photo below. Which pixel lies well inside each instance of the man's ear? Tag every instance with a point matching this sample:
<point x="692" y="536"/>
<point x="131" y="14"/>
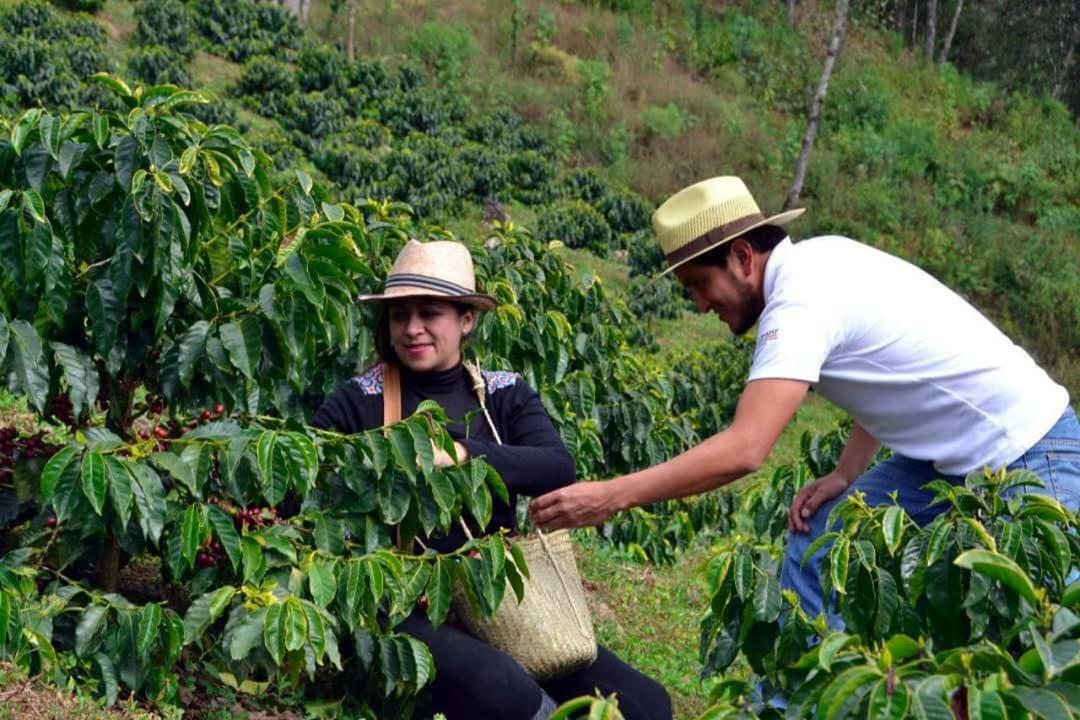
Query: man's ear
<point x="742" y="255"/>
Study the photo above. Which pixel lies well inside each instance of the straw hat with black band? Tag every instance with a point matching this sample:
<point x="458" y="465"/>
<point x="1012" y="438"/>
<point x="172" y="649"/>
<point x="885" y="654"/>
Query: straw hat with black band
<point x="440" y="269"/>
<point x="697" y="219"/>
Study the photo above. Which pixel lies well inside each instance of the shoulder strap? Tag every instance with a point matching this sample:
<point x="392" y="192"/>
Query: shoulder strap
<point x="391" y="394"/>
<point x="480" y="390"/>
<point x="391" y="400"/>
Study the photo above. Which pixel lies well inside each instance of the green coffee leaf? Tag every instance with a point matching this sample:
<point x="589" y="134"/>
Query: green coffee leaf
<point x="149" y="628"/>
<point x="192" y="533"/>
<point x="54" y="470"/>
<point x="92" y="479"/>
<point x="90" y="626"/>
<point x="999" y="568"/>
<point x="204" y="610"/>
<point x="322" y="583"/>
<point x="225" y="532"/>
<point x="295" y="623"/>
<point x="120" y="487"/>
<point x="28" y="363"/>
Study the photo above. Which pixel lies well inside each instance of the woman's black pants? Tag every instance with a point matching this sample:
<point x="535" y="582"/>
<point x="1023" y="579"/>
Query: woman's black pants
<point x="474" y="680"/>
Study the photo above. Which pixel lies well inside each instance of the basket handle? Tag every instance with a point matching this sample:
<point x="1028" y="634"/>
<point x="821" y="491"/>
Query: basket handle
<point x="479" y="389"/>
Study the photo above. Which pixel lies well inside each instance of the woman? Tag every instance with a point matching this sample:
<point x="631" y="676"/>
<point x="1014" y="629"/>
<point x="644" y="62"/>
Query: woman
<point x="430" y="307"/>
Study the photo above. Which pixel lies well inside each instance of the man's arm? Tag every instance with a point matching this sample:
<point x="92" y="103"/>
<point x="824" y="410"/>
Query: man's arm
<point x="763" y="411"/>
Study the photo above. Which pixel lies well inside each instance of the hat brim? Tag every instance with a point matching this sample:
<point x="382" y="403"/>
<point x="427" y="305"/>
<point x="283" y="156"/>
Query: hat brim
<point x="480" y="301"/>
<point x="779" y="219"/>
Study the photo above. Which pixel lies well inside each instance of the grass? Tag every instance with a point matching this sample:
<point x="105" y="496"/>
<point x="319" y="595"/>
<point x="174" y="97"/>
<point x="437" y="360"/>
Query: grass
<point x="649" y="616"/>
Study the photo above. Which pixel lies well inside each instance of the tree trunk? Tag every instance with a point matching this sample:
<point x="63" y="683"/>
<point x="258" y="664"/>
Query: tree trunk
<point x="817" y="104"/>
<point x="350" y="39"/>
<point x="1066" y="65"/>
<point x="952" y="32"/>
<point x="914" y="23"/>
<point x="109" y="572"/>
<point x="900" y="18"/>
<point x="791" y="13"/>
<point x="931" y="28"/>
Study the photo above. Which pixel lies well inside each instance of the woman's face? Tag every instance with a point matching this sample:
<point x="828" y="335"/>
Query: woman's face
<point x="426" y="333"/>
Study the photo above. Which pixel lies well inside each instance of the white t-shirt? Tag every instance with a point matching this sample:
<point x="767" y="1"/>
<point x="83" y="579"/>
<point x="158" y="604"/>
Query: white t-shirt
<point x="911" y="361"/>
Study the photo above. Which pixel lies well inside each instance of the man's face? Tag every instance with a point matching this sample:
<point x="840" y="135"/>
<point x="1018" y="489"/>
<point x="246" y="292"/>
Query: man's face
<point x="725" y="290"/>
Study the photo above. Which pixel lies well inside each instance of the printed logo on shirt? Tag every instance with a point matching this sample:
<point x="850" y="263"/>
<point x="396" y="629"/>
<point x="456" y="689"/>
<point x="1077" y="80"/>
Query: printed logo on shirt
<point x="764" y="339"/>
<point x="768" y="336"/>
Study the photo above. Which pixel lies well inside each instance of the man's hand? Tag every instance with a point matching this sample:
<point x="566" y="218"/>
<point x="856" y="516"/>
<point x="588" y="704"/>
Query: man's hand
<point x="813" y="496"/>
<point x="574" y="506"/>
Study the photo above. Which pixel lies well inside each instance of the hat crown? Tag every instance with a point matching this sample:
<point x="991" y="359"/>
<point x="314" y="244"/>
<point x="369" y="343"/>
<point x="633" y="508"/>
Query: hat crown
<point x="440" y="260"/>
<point x="695" y="210"/>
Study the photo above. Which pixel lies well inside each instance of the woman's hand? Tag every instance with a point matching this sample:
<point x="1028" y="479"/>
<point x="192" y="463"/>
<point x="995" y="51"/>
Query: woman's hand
<point x="443" y="459"/>
<point x="813" y="496"/>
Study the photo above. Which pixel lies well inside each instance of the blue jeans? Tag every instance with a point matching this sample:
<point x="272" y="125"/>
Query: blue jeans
<point x="1055" y="459"/>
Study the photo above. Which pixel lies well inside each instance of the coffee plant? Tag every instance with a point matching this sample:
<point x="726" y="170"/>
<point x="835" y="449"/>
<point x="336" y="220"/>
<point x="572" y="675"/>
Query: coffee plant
<point x="180" y="308"/>
<point x="972" y="615"/>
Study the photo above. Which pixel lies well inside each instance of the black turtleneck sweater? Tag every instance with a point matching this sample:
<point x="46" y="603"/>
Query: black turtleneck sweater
<point x="531" y="461"/>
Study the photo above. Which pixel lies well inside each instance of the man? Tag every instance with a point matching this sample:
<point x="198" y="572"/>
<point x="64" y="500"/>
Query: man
<point x="918" y="369"/>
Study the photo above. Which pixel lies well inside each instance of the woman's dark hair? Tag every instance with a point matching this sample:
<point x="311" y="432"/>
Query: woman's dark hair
<point x="383" y="349"/>
<point x="763" y="239"/>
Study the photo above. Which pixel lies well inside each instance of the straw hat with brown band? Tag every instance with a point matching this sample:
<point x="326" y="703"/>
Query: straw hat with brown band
<point x="441" y="269"/>
<point x="696" y="219"/>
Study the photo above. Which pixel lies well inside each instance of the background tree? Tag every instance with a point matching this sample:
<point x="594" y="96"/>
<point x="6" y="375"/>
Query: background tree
<point x="835" y="40"/>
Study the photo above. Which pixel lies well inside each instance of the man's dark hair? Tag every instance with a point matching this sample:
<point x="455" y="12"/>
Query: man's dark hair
<point x="763" y="239"/>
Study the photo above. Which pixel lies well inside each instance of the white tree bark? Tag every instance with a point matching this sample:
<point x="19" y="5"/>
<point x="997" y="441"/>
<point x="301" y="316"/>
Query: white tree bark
<point x="952" y="32"/>
<point x="350" y="38"/>
<point x="791" y="13"/>
<point x="1066" y="65"/>
<point x="931" y="28"/>
<point x="817" y="104"/>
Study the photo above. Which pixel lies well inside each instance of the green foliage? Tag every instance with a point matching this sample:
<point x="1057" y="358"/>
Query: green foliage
<point x="167" y="23"/>
<point x="444" y="49"/>
<point x="665" y="122"/>
<point x="976" y="604"/>
<point x="158" y="65"/>
<point x="199" y="280"/>
<point x="87" y="6"/>
<point x="43" y="55"/>
<point x="241" y="29"/>
<point x="577" y="225"/>
<point x="320" y="68"/>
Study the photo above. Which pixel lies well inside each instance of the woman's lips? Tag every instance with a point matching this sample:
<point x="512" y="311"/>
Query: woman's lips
<point x="415" y="350"/>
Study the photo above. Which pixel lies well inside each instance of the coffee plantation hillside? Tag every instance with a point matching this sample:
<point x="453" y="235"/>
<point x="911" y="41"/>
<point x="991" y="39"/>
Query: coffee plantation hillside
<point x="974" y="180"/>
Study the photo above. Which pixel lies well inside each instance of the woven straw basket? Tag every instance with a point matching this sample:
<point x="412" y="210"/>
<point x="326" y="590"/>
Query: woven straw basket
<point x="551" y="632"/>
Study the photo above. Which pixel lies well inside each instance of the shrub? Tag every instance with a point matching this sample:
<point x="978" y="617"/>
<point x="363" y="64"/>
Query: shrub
<point x="661" y="299"/>
<point x="167" y="23"/>
<point x="586" y="185"/>
<point x="43" y="54"/>
<point x="321" y="67"/>
<point x="315" y="114"/>
<point x="577" y="225"/>
<point x="241" y="29"/>
<point x="157" y="64"/>
<point x="445" y="49"/>
<point x="624" y="210"/>
<point x="267" y="84"/>
<point x="644" y="254"/>
<point x="861" y="98"/>
<point x="664" y="122"/>
<point x="531" y="177"/>
<point x="87" y="6"/>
